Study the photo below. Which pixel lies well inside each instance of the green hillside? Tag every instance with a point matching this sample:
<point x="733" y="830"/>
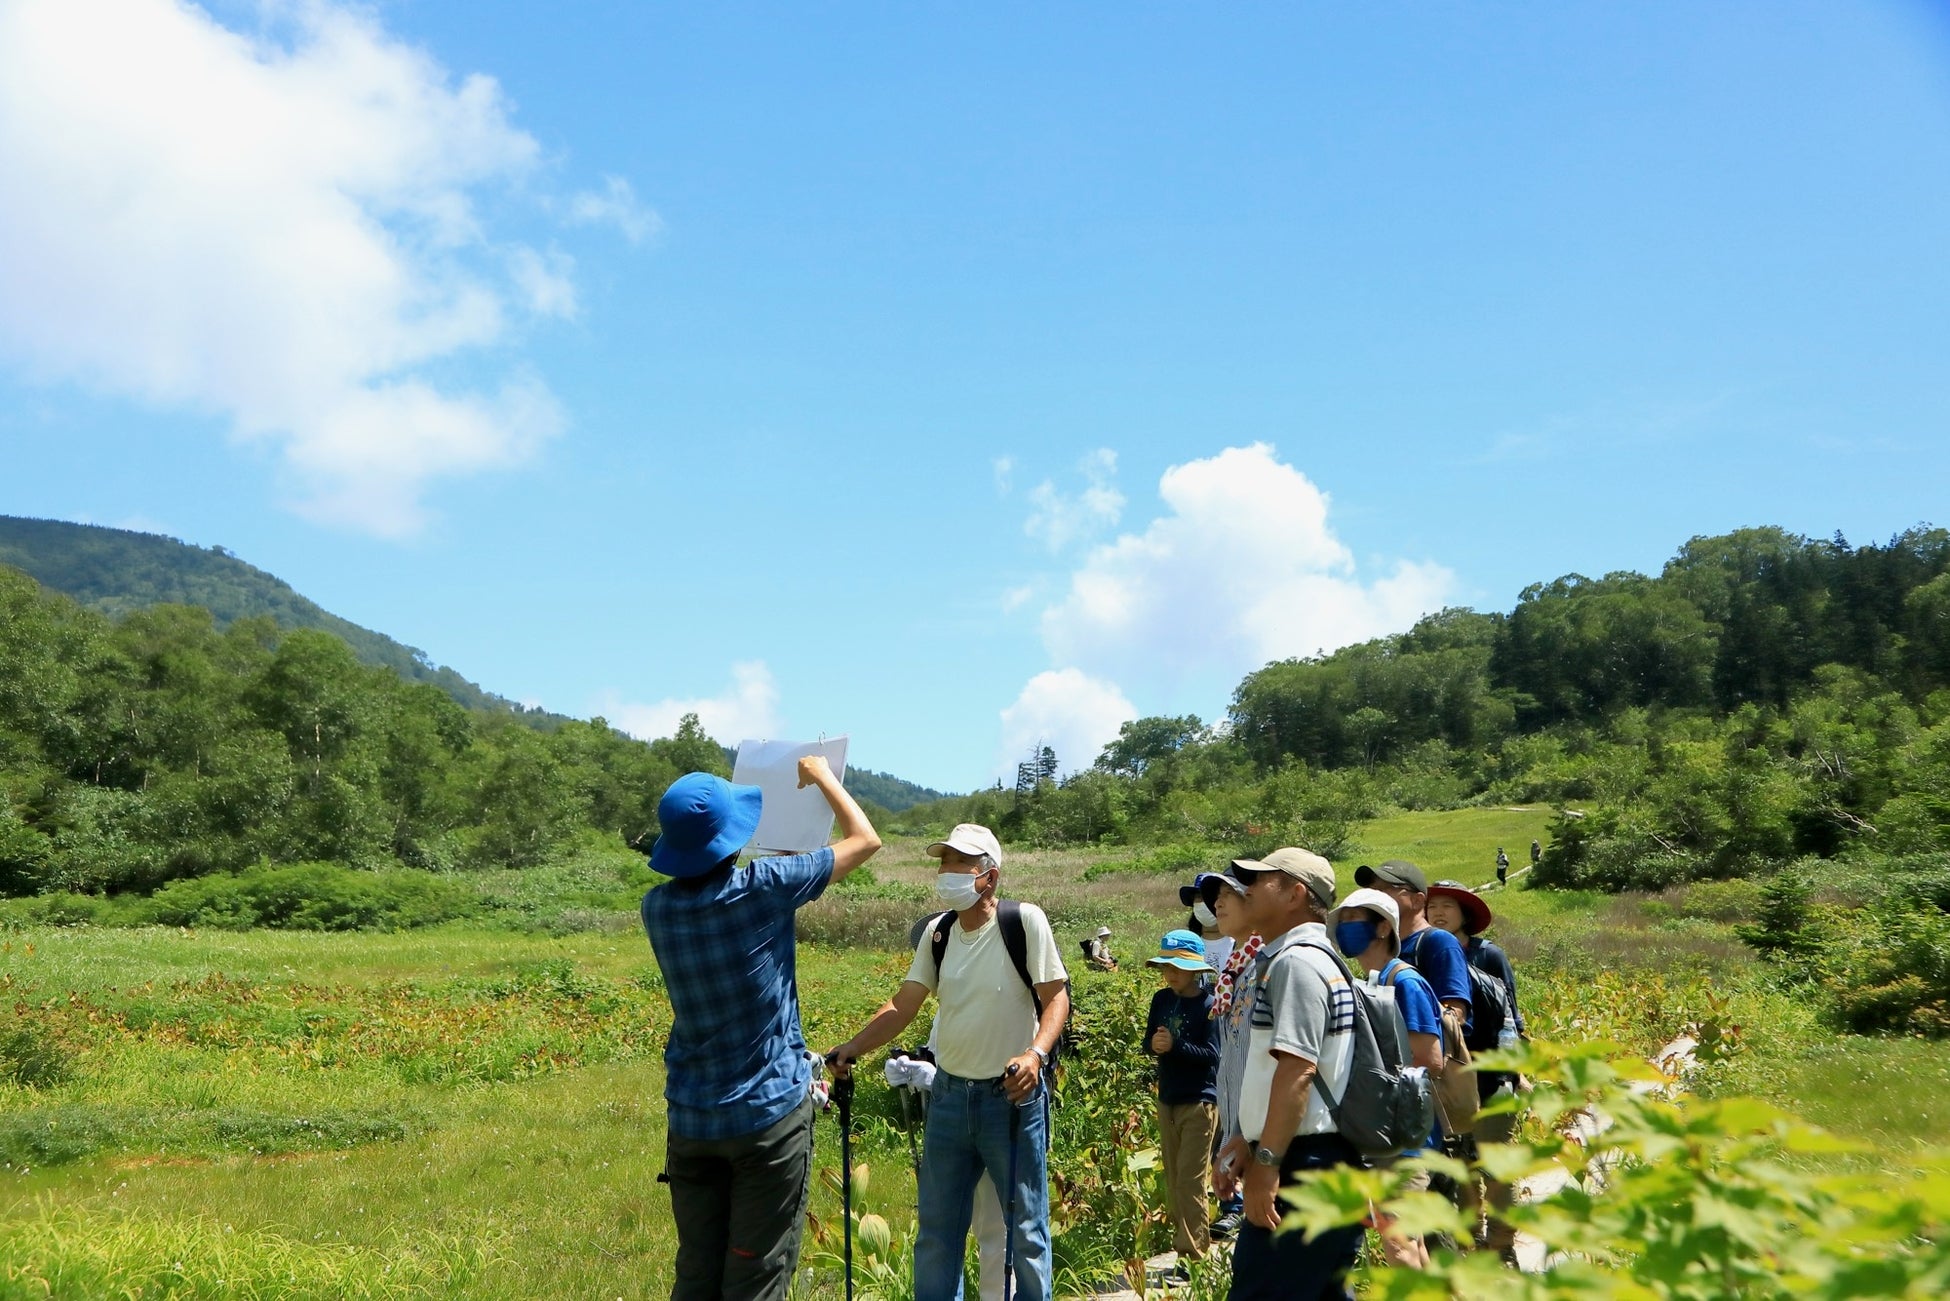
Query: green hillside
<point x="116" y="571"/>
<point x="888" y="791"/>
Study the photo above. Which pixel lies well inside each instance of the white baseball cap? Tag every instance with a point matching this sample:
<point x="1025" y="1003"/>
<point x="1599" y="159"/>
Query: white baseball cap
<point x="972" y="839"/>
<point x="1376" y="902"/>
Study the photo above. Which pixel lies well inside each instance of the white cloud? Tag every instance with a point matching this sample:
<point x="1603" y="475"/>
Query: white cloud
<point x="615" y="205"/>
<point x="747" y="708"/>
<point x="1241" y="569"/>
<point x="1071" y="712"/>
<point x="1061" y="519"/>
<point x="1004" y="466"/>
<point x="1016" y="597"/>
<point x="546" y="281"/>
<point x="279" y="229"/>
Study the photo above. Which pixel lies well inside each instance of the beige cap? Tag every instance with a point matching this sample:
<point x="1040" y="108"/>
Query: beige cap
<point x="1374" y="901"/>
<point x="972" y="839"/>
<point x="1302" y="865"/>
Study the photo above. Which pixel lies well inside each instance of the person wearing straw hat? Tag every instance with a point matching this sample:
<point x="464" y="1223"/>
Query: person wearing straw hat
<point x="737" y="1077"/>
<point x="1178" y="1032"/>
<point x="1096" y="951"/>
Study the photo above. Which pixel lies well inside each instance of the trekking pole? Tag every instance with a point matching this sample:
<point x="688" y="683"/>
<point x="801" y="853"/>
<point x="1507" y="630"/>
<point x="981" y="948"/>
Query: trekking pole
<point x="907" y="1122"/>
<point x="1009" y="1205"/>
<point x="843" y="1095"/>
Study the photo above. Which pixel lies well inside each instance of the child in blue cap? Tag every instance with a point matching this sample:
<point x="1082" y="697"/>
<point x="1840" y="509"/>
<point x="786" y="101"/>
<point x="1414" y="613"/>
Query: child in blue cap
<point x="1179" y="1034"/>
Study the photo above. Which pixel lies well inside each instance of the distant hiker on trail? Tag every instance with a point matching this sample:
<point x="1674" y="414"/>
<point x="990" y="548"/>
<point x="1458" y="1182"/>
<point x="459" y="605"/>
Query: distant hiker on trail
<point x="1232" y="1007"/>
<point x="1002" y="997"/>
<point x="1096" y="951"/>
<point x="1302" y="1027"/>
<point x="1536" y="853"/>
<point x="1179" y="1033"/>
<point x="1503" y="866"/>
<point x="1366" y="927"/>
<point x="737" y="1076"/>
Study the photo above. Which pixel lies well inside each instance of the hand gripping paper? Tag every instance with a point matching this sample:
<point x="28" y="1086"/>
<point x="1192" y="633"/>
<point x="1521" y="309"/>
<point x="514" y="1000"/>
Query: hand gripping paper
<point x="792" y="821"/>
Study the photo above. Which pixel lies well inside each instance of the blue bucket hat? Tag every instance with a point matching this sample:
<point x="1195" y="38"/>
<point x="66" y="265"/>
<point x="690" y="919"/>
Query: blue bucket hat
<point x="704" y="820"/>
<point x="1181" y="949"/>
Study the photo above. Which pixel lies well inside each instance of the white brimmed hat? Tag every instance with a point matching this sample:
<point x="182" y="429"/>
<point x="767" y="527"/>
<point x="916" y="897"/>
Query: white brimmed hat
<point x="1374" y="901"/>
<point x="972" y="839"/>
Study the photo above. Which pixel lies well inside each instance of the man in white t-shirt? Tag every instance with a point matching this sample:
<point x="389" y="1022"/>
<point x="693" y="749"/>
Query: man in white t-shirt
<point x="1302" y="1039"/>
<point x="987" y="1110"/>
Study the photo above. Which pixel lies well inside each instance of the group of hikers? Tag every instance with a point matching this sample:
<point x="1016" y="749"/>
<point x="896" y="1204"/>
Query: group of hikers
<point x="1253" y="1032"/>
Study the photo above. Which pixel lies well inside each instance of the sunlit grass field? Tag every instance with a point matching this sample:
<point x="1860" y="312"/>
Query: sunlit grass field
<point x="472" y="1112"/>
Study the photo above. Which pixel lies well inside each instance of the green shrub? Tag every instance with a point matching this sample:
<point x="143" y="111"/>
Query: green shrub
<point x="1684" y="1199"/>
<point x="312" y="897"/>
<point x="1892" y="973"/>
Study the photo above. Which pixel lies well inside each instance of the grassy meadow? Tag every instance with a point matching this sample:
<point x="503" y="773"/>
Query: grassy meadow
<point x="475" y="1111"/>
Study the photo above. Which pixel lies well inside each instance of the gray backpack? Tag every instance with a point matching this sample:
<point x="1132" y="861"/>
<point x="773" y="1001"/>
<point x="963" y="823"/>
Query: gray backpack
<point x="1389" y="1105"/>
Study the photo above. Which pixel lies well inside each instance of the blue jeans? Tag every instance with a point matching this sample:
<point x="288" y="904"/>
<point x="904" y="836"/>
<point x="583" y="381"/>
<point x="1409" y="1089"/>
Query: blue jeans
<point x="971" y="1124"/>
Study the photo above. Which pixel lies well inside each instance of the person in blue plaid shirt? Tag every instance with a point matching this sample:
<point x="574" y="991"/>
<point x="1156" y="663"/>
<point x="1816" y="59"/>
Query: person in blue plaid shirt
<point x="737" y="1075"/>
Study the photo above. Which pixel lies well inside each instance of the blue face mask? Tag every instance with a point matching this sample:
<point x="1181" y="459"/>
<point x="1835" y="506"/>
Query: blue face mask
<point x="1355" y="937"/>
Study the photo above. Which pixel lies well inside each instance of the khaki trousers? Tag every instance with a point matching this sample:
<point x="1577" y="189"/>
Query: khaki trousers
<point x="1185" y="1131"/>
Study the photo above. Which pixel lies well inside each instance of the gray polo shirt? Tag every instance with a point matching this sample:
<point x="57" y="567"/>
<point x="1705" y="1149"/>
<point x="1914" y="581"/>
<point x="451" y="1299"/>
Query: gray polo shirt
<point x="1304" y="1006"/>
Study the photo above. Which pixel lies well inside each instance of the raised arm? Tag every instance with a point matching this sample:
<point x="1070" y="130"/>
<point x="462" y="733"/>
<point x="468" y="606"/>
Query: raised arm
<point x="858" y="840"/>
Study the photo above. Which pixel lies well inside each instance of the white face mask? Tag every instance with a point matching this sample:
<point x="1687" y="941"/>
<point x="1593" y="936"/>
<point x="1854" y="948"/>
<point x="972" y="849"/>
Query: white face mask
<point x="957" y="889"/>
<point x="1206" y="917"/>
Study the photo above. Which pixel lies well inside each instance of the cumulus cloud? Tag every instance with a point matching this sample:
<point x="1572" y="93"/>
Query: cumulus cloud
<point x="747" y="708"/>
<point x="279" y="228"/>
<point x="1061" y="519"/>
<point x="1241" y="568"/>
<point x="615" y="205"/>
<point x="1067" y="710"/>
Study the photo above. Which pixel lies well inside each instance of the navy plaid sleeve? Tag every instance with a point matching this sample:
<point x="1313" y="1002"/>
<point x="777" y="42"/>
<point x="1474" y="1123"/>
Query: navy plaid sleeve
<point x="801" y="877"/>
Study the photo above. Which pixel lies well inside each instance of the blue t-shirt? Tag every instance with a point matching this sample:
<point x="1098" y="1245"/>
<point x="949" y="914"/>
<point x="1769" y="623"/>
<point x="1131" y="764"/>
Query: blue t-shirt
<point x="736" y="1061"/>
<point x="1419" y="1009"/>
<point x="1438" y="955"/>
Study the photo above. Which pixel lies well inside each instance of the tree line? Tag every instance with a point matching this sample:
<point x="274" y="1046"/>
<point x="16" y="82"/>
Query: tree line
<point x="154" y="746"/>
<point x="1765" y="697"/>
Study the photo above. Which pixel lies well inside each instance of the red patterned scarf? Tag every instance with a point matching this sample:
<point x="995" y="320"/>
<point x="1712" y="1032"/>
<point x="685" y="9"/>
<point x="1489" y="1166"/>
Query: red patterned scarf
<point x="1241" y="958"/>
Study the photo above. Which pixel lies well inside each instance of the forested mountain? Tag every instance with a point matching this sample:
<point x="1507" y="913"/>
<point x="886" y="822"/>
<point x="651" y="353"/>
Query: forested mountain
<point x="1764" y="698"/>
<point x="888" y="791"/>
<point x="115" y="571"/>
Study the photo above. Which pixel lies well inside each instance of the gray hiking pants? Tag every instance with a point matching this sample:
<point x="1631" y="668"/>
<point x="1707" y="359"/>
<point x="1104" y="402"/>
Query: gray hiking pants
<point x="740" y="1207"/>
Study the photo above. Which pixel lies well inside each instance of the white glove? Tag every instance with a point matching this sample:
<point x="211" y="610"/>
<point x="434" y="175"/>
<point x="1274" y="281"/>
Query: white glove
<point x="908" y="1073"/>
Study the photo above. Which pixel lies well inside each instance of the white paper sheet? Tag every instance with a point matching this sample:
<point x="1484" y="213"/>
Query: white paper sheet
<point x="792" y="820"/>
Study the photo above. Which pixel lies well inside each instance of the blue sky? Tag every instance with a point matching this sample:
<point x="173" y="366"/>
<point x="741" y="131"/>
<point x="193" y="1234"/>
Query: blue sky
<point x="959" y="376"/>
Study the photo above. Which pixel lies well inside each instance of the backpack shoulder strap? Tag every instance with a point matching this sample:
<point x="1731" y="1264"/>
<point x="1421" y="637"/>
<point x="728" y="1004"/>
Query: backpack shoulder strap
<point x="938" y="941"/>
<point x="1327" y="1098"/>
<point x="1015" y="939"/>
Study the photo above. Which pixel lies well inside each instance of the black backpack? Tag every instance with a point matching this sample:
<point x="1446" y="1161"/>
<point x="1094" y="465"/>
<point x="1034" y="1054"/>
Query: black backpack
<point x="1489" y="1009"/>
<point x="1015" y="940"/>
<point x="1389" y="1104"/>
<point x="1489" y="1004"/>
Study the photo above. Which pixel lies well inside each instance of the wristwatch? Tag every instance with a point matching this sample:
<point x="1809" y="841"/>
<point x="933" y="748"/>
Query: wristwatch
<point x="1041" y="1056"/>
<point x="1263" y="1155"/>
